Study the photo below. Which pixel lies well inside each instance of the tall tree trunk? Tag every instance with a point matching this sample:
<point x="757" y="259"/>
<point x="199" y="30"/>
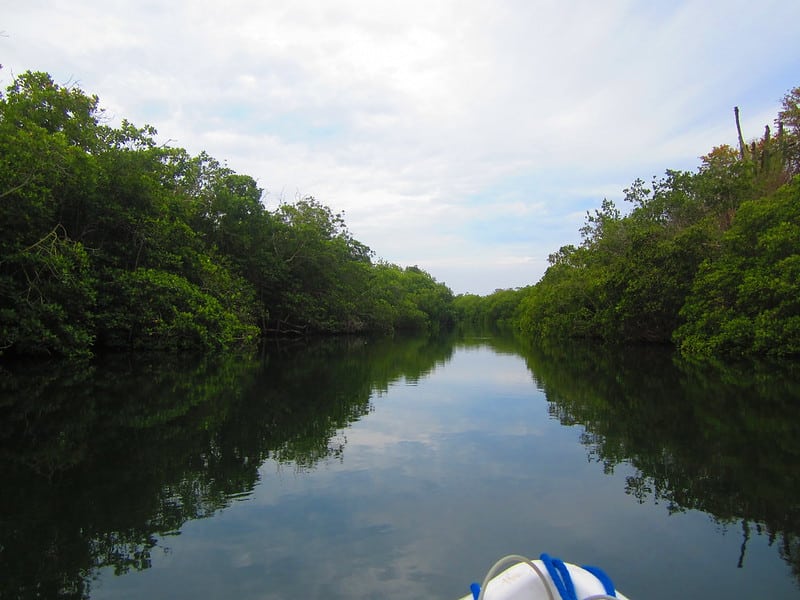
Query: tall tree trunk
<point x="739" y="131"/>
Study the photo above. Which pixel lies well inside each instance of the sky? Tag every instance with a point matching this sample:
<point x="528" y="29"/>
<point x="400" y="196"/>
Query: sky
<point x="467" y="138"/>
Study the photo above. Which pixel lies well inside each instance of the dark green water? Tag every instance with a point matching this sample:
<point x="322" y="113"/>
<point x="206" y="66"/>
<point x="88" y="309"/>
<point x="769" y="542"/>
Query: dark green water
<point x="394" y="470"/>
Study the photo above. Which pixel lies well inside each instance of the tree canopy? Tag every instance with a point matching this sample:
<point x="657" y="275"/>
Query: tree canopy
<point x="708" y="260"/>
<point x="110" y="240"/>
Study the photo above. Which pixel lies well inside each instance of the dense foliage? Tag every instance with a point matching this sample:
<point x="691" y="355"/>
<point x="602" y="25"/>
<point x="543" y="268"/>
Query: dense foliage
<point x="110" y="240"/>
<point x="709" y="260"/>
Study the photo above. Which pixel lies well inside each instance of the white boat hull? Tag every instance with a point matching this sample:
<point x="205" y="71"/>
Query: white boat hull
<point x="521" y="582"/>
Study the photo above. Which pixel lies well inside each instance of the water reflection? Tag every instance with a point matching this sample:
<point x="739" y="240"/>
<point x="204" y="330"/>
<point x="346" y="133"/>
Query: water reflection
<point x="720" y="440"/>
<point x="101" y="460"/>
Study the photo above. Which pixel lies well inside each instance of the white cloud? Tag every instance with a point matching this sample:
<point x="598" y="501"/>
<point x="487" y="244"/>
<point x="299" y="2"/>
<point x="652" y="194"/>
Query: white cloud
<point x="424" y="120"/>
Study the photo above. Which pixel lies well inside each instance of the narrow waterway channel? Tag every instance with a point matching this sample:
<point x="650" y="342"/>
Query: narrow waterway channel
<point x="356" y="468"/>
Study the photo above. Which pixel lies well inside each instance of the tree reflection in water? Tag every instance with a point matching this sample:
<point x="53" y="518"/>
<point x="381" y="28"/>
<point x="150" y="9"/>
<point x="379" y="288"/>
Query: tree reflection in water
<point x="100" y="461"/>
<point x="709" y="438"/>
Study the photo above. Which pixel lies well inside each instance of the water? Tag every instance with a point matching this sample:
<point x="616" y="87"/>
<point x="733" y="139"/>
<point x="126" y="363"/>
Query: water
<point x="395" y="469"/>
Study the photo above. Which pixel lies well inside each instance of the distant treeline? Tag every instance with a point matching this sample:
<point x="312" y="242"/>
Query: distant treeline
<point x="707" y="260"/>
<point x="109" y="240"/>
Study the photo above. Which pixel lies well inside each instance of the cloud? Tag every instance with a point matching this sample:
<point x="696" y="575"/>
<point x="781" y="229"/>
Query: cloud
<point x="462" y="136"/>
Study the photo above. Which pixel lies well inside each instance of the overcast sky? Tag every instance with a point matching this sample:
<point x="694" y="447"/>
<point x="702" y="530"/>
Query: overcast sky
<point x="468" y="138"/>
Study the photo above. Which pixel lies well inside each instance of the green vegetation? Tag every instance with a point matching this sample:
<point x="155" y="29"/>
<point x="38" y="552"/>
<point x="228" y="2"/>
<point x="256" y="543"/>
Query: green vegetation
<point x="708" y="260"/>
<point x="108" y="240"/>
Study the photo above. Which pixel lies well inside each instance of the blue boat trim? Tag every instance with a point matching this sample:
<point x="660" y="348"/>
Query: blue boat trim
<point x="603" y="577"/>
<point x="476" y="590"/>
<point x="558" y="572"/>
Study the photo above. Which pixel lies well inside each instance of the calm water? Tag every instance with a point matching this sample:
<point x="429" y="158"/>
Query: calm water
<point x="395" y="469"/>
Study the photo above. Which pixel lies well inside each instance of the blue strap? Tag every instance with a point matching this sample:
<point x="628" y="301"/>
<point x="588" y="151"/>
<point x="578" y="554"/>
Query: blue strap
<point x="560" y="575"/>
<point x="475" y="588"/>
<point x="603" y="578"/>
